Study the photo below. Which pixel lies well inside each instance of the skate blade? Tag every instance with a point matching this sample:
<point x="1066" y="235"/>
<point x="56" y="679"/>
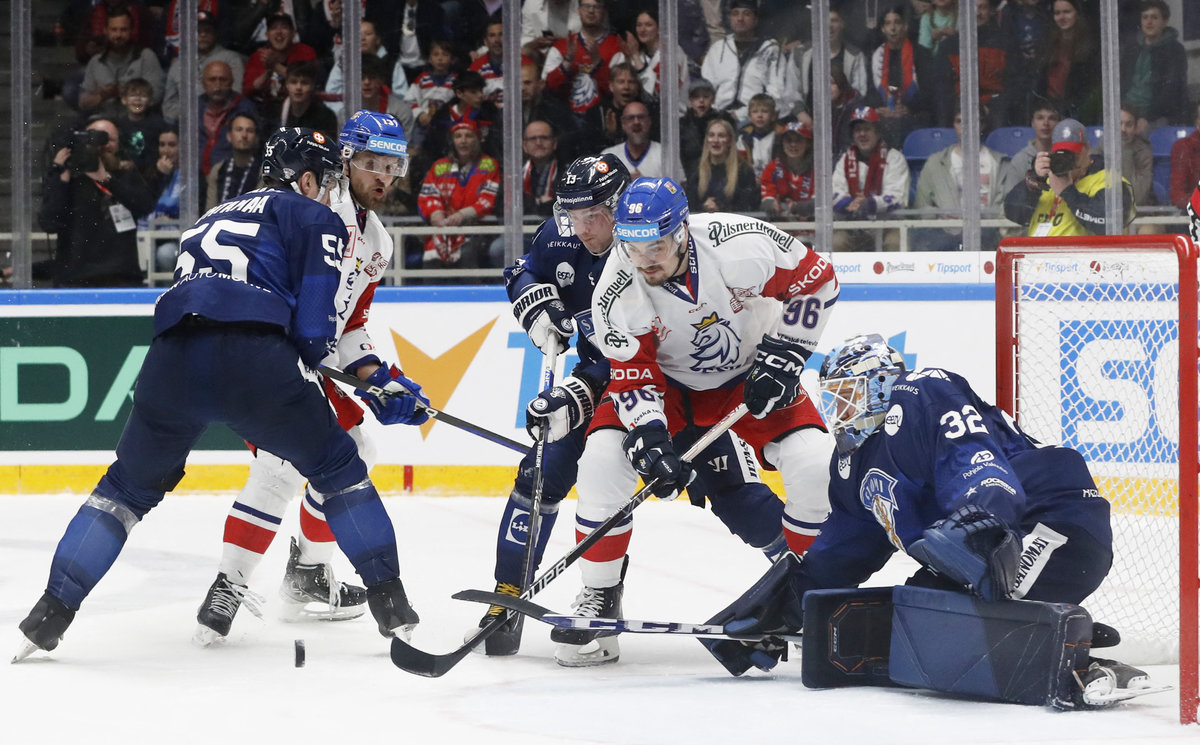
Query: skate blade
<point x="602" y="651"/>
<point x="206" y="637"/>
<point x="1117" y="695"/>
<point x="27" y="648"/>
<point x="291" y="611"/>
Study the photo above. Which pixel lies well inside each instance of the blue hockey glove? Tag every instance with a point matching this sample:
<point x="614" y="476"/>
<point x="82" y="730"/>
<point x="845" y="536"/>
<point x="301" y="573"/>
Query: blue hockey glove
<point x="771" y="605"/>
<point x="974" y="548"/>
<point x="649" y="449"/>
<point x="406" y="405"/>
<point x="774" y="379"/>
<point x="562" y="408"/>
<point x="544" y="317"/>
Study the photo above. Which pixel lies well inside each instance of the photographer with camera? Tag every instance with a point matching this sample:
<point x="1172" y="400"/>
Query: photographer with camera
<point x="93" y="206"/>
<point x="1064" y="192"/>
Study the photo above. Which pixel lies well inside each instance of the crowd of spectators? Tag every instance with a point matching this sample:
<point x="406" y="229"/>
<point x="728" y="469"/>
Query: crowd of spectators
<point x="592" y="78"/>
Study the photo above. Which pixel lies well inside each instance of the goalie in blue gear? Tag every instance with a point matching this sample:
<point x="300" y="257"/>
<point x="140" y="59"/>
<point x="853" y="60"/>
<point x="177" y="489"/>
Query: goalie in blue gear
<point x="923" y="465"/>
<point x="551" y="293"/>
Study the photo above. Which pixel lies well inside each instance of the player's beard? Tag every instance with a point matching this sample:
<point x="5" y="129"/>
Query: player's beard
<point x="660" y="278"/>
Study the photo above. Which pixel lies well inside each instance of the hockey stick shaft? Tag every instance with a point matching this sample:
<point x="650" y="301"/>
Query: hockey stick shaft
<point x="437" y="414"/>
<point x="616" y="625"/>
<point x="549" y="362"/>
<point x="413" y="660"/>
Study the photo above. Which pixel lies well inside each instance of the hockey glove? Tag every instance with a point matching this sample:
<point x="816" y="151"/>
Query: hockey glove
<point x="649" y="449"/>
<point x="974" y="548"/>
<point x="562" y="408"/>
<point x="771" y="605"/>
<point x="544" y="317"/>
<point x="774" y="378"/>
<point x="405" y="405"/>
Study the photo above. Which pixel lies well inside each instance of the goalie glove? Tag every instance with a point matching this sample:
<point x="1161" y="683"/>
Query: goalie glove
<point x="774" y="379"/>
<point x="772" y="605"/>
<point x="562" y="408"/>
<point x="974" y="548"/>
<point x="649" y="449"/>
<point x="404" y="405"/>
<point x="544" y="317"/>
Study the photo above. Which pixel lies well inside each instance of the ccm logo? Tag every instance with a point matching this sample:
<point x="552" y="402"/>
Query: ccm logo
<point x="631" y="374"/>
<point x="391" y="146"/>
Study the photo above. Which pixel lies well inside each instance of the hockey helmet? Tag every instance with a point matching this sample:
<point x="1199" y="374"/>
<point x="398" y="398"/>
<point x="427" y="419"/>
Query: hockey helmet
<point x="652" y="209"/>
<point x="856" y="384"/>
<point x="291" y="151"/>
<point x="590" y="181"/>
<point x="378" y="134"/>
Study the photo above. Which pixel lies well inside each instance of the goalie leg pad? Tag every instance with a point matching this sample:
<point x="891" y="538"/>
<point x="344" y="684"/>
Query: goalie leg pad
<point x="1021" y="652"/>
<point x="847" y="635"/>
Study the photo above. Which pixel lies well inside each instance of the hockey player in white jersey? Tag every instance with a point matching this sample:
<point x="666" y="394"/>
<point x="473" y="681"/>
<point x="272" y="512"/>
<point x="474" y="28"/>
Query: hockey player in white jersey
<point x="374" y="155"/>
<point x="696" y="315"/>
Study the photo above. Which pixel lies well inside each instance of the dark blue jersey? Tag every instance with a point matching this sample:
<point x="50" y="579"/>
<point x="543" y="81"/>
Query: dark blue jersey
<point x="941" y="447"/>
<point x="565" y="263"/>
<point x="271" y="256"/>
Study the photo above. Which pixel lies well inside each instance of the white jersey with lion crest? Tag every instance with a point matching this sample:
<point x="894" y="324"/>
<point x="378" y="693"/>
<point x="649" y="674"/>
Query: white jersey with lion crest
<point x="744" y="279"/>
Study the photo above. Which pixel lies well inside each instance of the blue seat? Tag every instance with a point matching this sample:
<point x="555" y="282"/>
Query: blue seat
<point x="1009" y="140"/>
<point x="1095" y="134"/>
<point x="1161" y="142"/>
<point x="919" y="145"/>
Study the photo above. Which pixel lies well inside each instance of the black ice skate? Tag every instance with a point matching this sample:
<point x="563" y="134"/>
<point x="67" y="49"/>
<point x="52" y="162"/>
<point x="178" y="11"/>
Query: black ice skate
<point x="389" y="605"/>
<point x="44" y="626"/>
<point x="220" y="605"/>
<point x="589" y="647"/>
<point x="1106" y="682"/>
<point x="310" y="593"/>
<point x="507" y="639"/>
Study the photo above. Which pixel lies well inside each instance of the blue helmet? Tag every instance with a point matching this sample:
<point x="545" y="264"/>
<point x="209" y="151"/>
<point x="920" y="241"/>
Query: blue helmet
<point x="291" y="151"/>
<point x="372" y="132"/>
<point x="651" y="208"/>
<point x="856" y="383"/>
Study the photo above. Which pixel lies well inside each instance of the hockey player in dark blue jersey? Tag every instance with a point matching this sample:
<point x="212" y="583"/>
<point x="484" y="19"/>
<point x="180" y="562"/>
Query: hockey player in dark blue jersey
<point x="551" y="292"/>
<point x="924" y="466"/>
<point x="251" y="313"/>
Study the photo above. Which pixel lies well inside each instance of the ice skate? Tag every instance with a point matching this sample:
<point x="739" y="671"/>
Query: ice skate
<point x="507" y="639"/>
<point x="391" y="610"/>
<point x="44" y="626"/>
<point x="310" y="593"/>
<point x="220" y="605"/>
<point x="590" y="647"/>
<point x="1107" y="682"/>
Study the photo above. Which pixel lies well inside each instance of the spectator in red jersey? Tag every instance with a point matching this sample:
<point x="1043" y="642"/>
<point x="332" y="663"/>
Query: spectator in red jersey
<point x="459" y="190"/>
<point x="218" y="104"/>
<point x="787" y="182"/>
<point x="468" y="104"/>
<point x="490" y="64"/>
<point x="1185" y="165"/>
<point x="577" y="66"/>
<point x="267" y="68"/>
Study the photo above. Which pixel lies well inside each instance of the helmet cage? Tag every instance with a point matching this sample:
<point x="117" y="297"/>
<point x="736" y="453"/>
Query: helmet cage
<point x="856" y="386"/>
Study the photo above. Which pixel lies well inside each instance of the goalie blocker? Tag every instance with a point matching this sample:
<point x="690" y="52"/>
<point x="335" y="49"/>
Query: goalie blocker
<point x="1017" y="651"/>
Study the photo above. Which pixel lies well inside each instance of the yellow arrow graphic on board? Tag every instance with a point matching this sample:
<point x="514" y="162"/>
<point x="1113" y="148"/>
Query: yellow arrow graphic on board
<point x="439" y="376"/>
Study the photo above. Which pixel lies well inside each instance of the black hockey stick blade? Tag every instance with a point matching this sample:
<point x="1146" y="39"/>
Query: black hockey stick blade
<point x="619" y="625"/>
<point x="438" y="414"/>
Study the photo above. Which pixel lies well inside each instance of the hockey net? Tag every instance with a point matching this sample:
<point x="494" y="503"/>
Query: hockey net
<point x="1093" y="342"/>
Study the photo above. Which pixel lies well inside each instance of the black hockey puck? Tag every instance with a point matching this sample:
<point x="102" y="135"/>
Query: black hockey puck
<point x="299" y="653"/>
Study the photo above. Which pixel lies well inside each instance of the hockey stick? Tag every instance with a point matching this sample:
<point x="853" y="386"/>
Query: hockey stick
<point x="437" y="414"/>
<point x="618" y="625"/>
<point x="409" y="658"/>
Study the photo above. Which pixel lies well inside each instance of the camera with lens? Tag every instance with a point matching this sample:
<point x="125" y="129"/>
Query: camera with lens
<point x="85" y="148"/>
<point x="1062" y="162"/>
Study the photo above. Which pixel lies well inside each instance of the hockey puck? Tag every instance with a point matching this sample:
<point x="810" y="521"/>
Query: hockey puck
<point x="299" y="653"/>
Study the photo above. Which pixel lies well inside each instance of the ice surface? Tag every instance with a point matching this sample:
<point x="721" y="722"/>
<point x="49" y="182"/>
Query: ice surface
<point x="127" y="673"/>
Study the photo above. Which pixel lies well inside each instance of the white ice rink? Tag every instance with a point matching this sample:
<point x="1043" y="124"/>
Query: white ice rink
<point x="127" y="672"/>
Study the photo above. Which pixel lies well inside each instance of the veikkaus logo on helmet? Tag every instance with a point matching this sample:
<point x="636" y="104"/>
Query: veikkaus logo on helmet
<point x="637" y="232"/>
<point x="388" y="145"/>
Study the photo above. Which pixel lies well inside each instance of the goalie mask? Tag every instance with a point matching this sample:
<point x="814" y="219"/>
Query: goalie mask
<point x="590" y="182"/>
<point x="856" y="383"/>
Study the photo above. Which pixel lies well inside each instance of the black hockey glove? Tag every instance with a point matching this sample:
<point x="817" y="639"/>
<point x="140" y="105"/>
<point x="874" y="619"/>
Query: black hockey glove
<point x="974" y="548"/>
<point x="649" y="449"/>
<point x="771" y="605"/>
<point x="544" y="317"/>
<point x="562" y="408"/>
<point x="774" y="378"/>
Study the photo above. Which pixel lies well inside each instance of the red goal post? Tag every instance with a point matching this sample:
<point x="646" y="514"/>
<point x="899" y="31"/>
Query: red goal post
<point x="1096" y="349"/>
